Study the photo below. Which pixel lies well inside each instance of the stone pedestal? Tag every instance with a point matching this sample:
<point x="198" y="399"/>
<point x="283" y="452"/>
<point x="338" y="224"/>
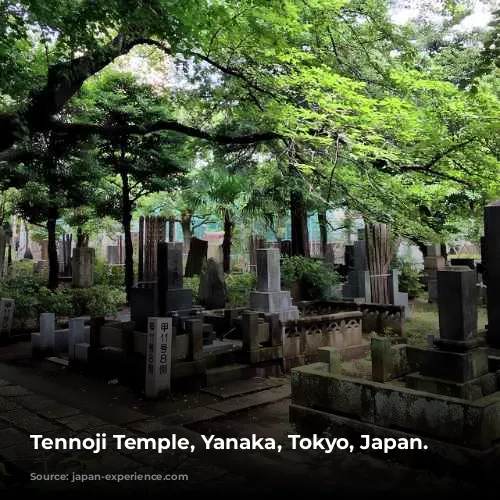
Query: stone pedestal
<point x="269" y="298"/>
<point x="83" y="267"/>
<point x="456" y="365"/>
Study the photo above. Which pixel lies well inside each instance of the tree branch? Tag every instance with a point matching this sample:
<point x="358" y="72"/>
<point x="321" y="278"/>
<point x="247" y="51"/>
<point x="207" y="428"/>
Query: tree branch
<point x="86" y="129"/>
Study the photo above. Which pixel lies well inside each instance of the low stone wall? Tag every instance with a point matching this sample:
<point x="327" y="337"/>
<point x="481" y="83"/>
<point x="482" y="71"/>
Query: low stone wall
<point x="378" y="318"/>
<point x="473" y="424"/>
<point x="303" y="337"/>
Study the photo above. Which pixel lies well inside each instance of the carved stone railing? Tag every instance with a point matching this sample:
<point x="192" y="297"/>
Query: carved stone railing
<point x="303" y="337"/>
<point x="378" y="318"/>
<point x="382" y="318"/>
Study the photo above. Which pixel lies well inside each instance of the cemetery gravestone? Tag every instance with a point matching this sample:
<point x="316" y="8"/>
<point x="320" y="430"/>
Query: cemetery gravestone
<point x="158" y="357"/>
<point x="47" y="331"/>
<point x="398" y="298"/>
<point x="196" y="257"/>
<point x="212" y="291"/>
<point x="269" y="297"/>
<point x="6" y="316"/>
<point x="171" y="294"/>
<point x="457" y="365"/>
<point x="83" y="267"/>
<point x="286" y="248"/>
<point x="491" y="270"/>
<point x="433" y="263"/>
<point x="76" y="335"/>
<point x="113" y="254"/>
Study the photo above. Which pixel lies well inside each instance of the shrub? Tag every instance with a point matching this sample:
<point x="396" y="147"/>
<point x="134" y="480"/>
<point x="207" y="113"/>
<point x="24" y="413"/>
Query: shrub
<point x="32" y="297"/>
<point x="239" y="287"/>
<point x="99" y="300"/>
<point x="106" y="274"/>
<point x="410" y="276"/>
<point x="193" y="283"/>
<point x="317" y="281"/>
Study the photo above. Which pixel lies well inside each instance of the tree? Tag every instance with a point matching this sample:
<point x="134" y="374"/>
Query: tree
<point x="137" y="165"/>
<point x="56" y="179"/>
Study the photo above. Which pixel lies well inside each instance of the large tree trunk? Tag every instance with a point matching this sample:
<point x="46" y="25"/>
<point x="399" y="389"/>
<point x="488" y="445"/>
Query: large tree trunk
<point x="300" y="232"/>
<point x="187" y="234"/>
<point x="227" y="241"/>
<point x="379" y="255"/>
<point x="52" y="249"/>
<point x="126" y="222"/>
<point x="323" y="231"/>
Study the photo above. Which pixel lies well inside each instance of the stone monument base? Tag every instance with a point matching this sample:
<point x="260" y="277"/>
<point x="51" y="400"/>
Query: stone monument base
<point x="274" y="302"/>
<point x="449" y="431"/>
<point x="438" y="456"/>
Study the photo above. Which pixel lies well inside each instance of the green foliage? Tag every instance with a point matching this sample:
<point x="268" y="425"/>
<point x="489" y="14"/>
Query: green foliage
<point x="316" y="280"/>
<point x="410" y="276"/>
<point x="99" y="300"/>
<point x="239" y="287"/>
<point x="112" y="276"/>
<point x="194" y="284"/>
<point x="32" y="297"/>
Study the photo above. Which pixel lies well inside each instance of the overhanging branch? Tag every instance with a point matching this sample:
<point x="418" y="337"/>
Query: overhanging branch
<point x="85" y="129"/>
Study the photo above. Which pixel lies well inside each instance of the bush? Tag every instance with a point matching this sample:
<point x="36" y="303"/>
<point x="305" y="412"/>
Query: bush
<point x="106" y="274"/>
<point x="32" y="297"/>
<point x="193" y="283"/>
<point x="410" y="276"/>
<point x="239" y="287"/>
<point x="317" y="281"/>
<point x="99" y="300"/>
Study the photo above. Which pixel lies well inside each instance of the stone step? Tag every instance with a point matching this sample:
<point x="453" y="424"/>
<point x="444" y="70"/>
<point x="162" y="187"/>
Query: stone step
<point x="223" y="374"/>
<point x="221" y="409"/>
<point x="58" y="361"/>
<point x="242" y="387"/>
<point x="234" y="405"/>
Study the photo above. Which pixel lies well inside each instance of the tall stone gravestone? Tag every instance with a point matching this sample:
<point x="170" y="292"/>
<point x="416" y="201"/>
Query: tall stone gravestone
<point x="491" y="270"/>
<point x="83" y="267"/>
<point x="171" y="294"/>
<point x="158" y="357"/>
<point x="76" y="335"/>
<point x="6" y="317"/>
<point x="196" y="257"/>
<point x="457" y="365"/>
<point x="167" y="293"/>
<point x="47" y="331"/>
<point x="433" y="263"/>
<point x="358" y="284"/>
<point x="269" y="297"/>
<point x="398" y="298"/>
<point x="113" y="254"/>
<point x="212" y="291"/>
